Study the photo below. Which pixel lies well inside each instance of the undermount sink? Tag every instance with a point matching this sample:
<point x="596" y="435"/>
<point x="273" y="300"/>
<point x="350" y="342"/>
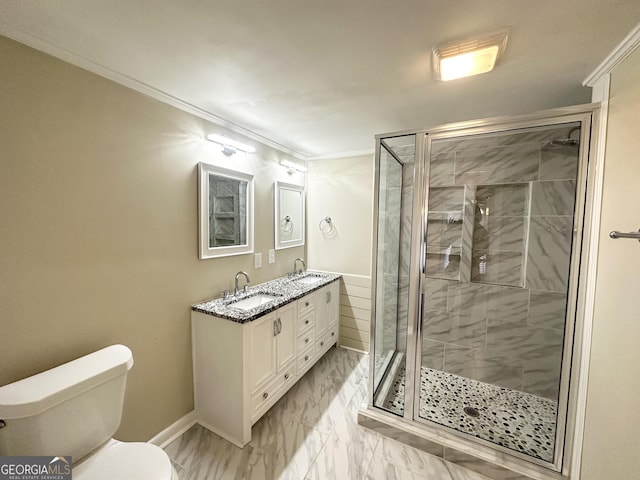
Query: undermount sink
<point x="253" y="301"/>
<point x="309" y="279"/>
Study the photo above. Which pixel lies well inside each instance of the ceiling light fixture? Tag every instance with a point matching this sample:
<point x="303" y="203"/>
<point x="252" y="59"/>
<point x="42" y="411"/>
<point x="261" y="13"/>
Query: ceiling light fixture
<point x="229" y="146"/>
<point x="292" y="167"/>
<point x="470" y="56"/>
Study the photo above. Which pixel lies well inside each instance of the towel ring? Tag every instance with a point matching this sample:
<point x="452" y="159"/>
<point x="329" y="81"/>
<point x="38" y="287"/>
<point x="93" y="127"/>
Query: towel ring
<point x="286" y="224"/>
<point x="326" y="225"/>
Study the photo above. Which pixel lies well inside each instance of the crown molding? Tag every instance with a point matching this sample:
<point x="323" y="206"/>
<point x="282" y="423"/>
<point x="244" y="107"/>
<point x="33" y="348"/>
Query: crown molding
<point x="349" y="154"/>
<point x="617" y="55"/>
<point x="18" y="34"/>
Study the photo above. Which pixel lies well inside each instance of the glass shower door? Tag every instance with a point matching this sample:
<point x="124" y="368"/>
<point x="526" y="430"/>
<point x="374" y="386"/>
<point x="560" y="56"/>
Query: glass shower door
<point x="395" y="178"/>
<point x="497" y="286"/>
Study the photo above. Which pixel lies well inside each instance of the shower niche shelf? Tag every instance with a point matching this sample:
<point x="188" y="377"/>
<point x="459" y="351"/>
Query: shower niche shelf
<point x="499" y="237"/>
<point x="450" y="217"/>
<point x="445" y="220"/>
<point x="443" y="262"/>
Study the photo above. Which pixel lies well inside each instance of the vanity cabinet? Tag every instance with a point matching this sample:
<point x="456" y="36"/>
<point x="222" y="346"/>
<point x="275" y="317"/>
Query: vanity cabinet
<point x="242" y="369"/>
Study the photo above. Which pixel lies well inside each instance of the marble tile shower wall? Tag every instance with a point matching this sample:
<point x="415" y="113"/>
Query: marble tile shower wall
<point x="496" y="312"/>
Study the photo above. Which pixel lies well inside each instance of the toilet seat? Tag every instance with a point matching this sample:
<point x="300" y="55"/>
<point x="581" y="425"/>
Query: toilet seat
<point x="126" y="461"/>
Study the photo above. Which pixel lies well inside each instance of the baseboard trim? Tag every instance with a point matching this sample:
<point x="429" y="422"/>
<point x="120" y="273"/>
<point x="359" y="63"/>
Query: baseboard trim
<point x="220" y="433"/>
<point x="352" y="349"/>
<point x="173" y="431"/>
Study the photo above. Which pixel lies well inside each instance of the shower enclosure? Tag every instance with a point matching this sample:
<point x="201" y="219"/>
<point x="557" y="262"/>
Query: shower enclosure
<point x="477" y="255"/>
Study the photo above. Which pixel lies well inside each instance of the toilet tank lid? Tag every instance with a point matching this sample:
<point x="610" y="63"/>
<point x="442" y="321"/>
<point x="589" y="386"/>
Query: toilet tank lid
<point x="40" y="392"/>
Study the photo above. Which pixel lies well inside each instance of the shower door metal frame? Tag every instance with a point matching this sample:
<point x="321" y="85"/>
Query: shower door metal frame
<point x="566" y="412"/>
<point x="416" y="241"/>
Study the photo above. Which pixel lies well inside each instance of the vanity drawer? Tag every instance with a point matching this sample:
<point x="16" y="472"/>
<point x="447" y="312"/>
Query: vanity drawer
<point x="305" y="360"/>
<point x="262" y="399"/>
<point x="306" y="340"/>
<point x="287" y="375"/>
<point x="324" y="343"/>
<point x="306" y="304"/>
<point x="306" y="321"/>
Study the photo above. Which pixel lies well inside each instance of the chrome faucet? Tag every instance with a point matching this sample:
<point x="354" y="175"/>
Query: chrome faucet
<point x="235" y="290"/>
<point x="295" y="262"/>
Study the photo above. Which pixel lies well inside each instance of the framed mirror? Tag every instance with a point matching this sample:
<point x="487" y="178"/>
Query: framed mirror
<point x="225" y="211"/>
<point x="289" y="215"/>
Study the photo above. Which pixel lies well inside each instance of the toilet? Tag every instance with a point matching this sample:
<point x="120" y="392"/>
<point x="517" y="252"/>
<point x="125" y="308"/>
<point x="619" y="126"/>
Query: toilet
<point x="74" y="409"/>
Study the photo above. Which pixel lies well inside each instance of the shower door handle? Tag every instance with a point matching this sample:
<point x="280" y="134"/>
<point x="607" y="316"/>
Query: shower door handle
<point x="615" y="235"/>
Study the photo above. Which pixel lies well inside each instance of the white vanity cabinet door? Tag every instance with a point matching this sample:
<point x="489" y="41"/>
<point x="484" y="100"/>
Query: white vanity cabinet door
<point x="322" y="311"/>
<point x="272" y="350"/>
<point x="327" y="308"/>
<point x="328" y="313"/>
<point x="287" y="337"/>
<point x="272" y="345"/>
<point x="263" y="361"/>
<point x="333" y="304"/>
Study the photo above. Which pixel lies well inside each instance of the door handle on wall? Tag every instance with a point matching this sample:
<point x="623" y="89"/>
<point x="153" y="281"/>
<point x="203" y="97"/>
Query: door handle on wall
<point x="615" y="235"/>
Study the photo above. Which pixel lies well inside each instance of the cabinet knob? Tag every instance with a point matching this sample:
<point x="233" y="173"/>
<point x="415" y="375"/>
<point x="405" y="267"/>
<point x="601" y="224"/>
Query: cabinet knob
<point x="286" y="376"/>
<point x="306" y="304"/>
<point x="306" y="340"/>
<point x="306" y="322"/>
<point x="333" y="334"/>
<point x="306" y="357"/>
<point x="328" y="297"/>
<point x="322" y="344"/>
<point x="265" y="395"/>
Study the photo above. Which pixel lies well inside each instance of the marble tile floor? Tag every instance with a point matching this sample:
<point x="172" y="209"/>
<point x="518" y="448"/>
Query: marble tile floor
<point x="312" y="434"/>
<point x="517" y="420"/>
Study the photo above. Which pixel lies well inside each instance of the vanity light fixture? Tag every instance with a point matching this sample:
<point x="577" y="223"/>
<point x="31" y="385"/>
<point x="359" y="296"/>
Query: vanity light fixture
<point x="470" y="56"/>
<point x="292" y="167"/>
<point x="229" y="146"/>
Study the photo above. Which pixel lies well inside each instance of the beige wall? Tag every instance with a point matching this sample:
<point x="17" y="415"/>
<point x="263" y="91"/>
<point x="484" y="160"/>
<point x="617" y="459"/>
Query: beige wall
<point x="98" y="229"/>
<point x="343" y="190"/>
<point x="612" y="425"/>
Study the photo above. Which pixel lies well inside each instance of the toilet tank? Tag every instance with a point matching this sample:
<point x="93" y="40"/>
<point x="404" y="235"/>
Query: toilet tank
<point x="68" y="410"/>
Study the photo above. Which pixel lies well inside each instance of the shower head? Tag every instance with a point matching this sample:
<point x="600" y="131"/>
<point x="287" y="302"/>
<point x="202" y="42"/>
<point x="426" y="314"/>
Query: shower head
<point x="569" y="145"/>
<point x="564" y="142"/>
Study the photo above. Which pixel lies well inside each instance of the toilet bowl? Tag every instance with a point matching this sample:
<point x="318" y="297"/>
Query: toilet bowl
<point x="122" y="460"/>
<point x="74" y="409"/>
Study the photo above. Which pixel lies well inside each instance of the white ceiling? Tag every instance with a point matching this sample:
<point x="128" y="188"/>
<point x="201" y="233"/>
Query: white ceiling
<point x="322" y="77"/>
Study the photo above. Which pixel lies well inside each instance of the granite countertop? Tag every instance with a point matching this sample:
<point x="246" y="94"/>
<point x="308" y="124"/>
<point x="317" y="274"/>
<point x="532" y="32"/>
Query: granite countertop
<point x="285" y="289"/>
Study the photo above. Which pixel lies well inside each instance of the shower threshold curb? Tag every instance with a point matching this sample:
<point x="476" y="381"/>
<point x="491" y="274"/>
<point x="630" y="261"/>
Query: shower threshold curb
<point x="467" y="454"/>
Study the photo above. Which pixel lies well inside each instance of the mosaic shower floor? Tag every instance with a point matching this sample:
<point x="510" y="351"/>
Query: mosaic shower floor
<point x="510" y="418"/>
